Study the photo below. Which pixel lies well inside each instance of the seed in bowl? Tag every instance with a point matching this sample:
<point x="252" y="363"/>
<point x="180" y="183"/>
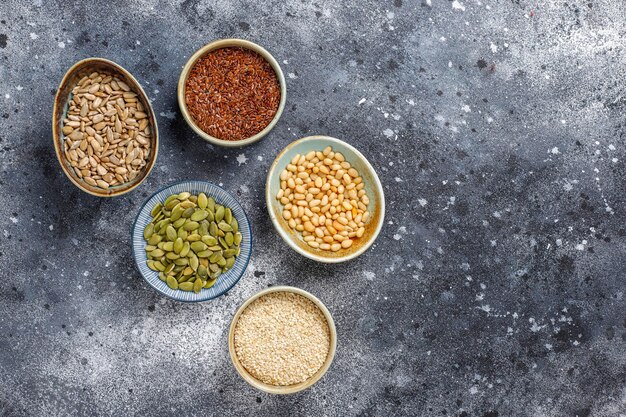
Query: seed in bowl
<point x="191" y="241"/>
<point x="232" y="93"/>
<point x="106" y="131"/>
<point x="282" y="338"/>
<point x="324" y="199"/>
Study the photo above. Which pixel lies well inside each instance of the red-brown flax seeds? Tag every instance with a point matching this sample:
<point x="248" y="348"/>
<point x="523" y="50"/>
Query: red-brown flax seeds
<point x="232" y="93"/>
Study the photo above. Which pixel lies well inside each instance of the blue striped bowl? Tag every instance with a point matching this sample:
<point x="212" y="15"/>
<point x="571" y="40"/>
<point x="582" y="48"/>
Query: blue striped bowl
<point x="227" y="280"/>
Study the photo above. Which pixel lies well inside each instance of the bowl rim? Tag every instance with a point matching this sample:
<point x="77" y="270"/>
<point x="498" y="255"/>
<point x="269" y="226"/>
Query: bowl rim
<point x="132" y="230"/>
<point x="224" y="43"/>
<point x="282" y="389"/>
<point x="57" y="133"/>
<point x="287" y="235"/>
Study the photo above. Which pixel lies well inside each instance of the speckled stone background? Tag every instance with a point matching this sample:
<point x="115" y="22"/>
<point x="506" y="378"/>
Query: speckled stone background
<point x="496" y="287"/>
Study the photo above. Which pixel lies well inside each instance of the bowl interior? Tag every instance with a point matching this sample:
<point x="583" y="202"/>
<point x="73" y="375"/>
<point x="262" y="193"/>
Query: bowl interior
<point x="373" y="188"/>
<point x="286" y="389"/>
<point x="61" y="106"/>
<point x="227" y="280"/>
<point x="225" y="43"/>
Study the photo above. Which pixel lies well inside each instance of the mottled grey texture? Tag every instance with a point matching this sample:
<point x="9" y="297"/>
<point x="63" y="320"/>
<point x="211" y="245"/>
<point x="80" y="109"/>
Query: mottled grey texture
<point x="496" y="287"/>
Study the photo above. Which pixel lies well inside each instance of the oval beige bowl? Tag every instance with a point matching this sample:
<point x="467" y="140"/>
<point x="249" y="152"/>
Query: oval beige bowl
<point x="287" y="389"/>
<point x="225" y="43"/>
<point x="63" y="96"/>
<point x="373" y="187"/>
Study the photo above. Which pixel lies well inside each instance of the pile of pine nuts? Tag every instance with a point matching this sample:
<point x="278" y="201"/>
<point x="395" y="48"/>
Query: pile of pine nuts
<point x="324" y="198"/>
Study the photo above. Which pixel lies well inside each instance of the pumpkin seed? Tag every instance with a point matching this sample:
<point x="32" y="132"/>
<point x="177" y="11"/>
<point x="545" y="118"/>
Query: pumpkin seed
<point x="198" y="246"/>
<point x="209" y="283"/>
<point x="154" y="239"/>
<point x="211" y="204"/>
<point x="219" y="213"/>
<point x="148" y="231"/>
<point x="234" y="224"/>
<point x="171" y="204"/>
<point x="202" y="271"/>
<point x="171" y="232"/>
<point x="185" y="250"/>
<point x="202" y="200"/>
<point x="213" y="229"/>
<point x="238" y="238"/>
<point x="193" y="261"/>
<point x="184" y="196"/>
<point x="229" y="253"/>
<point x="156" y="209"/>
<point x="228" y="215"/>
<point x="172" y="283"/>
<point x="191" y="226"/>
<point x="229" y="238"/>
<point x="197" y="286"/>
<point x="209" y="240"/>
<point x="199" y="215"/>
<point x="188" y="212"/>
<point x="167" y="246"/>
<point x="194" y="237"/>
<point x="204" y="254"/>
<point x="178" y="245"/>
<point x="229" y="262"/>
<point x="225" y="227"/>
<point x="186" y="286"/>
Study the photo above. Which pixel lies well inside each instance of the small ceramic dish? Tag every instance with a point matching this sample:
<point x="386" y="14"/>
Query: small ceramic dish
<point x="225" y="43"/>
<point x="63" y="97"/>
<point x="228" y="279"/>
<point x="284" y="389"/>
<point x="373" y="188"/>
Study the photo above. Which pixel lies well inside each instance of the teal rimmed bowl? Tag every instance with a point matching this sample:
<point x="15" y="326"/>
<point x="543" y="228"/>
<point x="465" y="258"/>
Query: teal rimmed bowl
<point x="228" y="279"/>
<point x="373" y="188"/>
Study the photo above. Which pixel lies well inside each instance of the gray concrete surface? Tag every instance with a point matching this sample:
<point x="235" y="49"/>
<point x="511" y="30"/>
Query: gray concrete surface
<point x="496" y="287"/>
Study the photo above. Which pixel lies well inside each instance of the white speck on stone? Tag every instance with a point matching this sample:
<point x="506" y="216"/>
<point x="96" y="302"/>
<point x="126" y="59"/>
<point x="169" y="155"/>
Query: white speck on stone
<point x="51" y="227"/>
<point x="137" y="42"/>
<point x="260" y="158"/>
<point x="292" y="75"/>
<point x="33" y="36"/>
<point x="489" y="119"/>
<point x="75" y="241"/>
<point x="486" y="308"/>
<point x="391" y="15"/>
<point x="497" y="214"/>
<point x="442" y="39"/>
<point x="411" y="102"/>
<point x="559" y="242"/>
<point x="473" y="390"/>
<point x="19" y="88"/>
<point x="369" y="275"/>
<point x="285" y="62"/>
<point x="397" y="236"/>
<point x="449" y="64"/>
<point x="363" y="100"/>
<point x="241" y="159"/>
<point x="398" y="179"/>
<point x="168" y="115"/>
<point x="422" y="201"/>
<point x="7" y="95"/>
<point x="466" y="109"/>
<point x="388" y="132"/>
<point x="13" y="219"/>
<point x="244" y="188"/>
<point x="86" y="273"/>
<point x="429" y="3"/>
<point x="580" y="246"/>
<point x="555" y="151"/>
<point x="493" y="47"/>
<point x="62" y="45"/>
<point x="548" y="346"/>
<point x="456" y="4"/>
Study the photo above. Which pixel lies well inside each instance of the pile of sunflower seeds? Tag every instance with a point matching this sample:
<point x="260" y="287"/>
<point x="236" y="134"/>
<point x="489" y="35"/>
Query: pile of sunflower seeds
<point x="106" y="131"/>
<point x="191" y="241"/>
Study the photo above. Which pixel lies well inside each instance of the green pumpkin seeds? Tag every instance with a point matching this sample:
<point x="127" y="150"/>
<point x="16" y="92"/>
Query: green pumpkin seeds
<point x="148" y="231"/>
<point x="191" y="241"/>
<point x="172" y="283"/>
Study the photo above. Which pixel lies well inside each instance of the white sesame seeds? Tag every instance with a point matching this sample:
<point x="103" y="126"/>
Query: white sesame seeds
<point x="282" y="338"/>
